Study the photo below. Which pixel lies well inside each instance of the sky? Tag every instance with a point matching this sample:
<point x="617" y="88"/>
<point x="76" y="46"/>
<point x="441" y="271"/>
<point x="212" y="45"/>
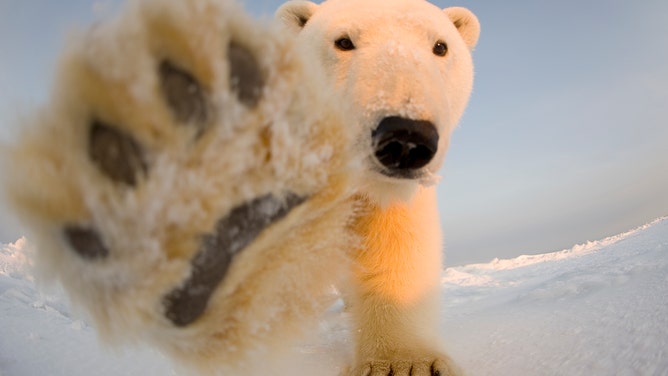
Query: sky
<point x="565" y="138"/>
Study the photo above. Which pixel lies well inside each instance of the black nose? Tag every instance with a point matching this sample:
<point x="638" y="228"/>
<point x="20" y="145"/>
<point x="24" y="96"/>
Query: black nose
<point x="403" y="145"/>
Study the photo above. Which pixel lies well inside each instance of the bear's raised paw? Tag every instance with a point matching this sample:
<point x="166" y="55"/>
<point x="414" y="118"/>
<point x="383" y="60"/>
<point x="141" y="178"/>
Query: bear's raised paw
<point x="187" y="181"/>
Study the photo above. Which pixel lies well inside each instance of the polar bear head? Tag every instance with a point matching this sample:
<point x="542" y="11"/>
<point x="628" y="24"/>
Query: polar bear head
<point x="405" y="69"/>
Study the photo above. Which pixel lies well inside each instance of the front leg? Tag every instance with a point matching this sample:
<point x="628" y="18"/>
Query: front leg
<point x="395" y="302"/>
<point x="187" y="184"/>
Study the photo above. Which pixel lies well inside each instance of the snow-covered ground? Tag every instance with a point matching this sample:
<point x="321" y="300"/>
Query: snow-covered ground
<point x="597" y="309"/>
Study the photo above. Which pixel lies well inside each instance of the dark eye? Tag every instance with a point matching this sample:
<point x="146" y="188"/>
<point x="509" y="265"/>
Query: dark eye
<point x="440" y="48"/>
<point x="344" y="44"/>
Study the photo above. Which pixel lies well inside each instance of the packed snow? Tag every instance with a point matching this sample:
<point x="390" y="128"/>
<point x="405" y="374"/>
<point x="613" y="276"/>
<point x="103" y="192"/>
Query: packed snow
<point x="599" y="308"/>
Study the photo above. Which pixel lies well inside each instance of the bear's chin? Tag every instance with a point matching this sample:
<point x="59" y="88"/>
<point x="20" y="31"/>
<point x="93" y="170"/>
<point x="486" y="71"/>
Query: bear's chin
<point x="386" y="189"/>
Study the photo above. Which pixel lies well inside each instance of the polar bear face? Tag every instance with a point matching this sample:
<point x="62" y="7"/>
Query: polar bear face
<point x="405" y="69"/>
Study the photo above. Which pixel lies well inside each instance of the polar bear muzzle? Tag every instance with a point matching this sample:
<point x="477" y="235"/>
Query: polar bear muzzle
<point x="404" y="146"/>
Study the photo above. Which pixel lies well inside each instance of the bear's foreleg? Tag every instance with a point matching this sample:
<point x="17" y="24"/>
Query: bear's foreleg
<point x="395" y="303"/>
<point x="186" y="183"/>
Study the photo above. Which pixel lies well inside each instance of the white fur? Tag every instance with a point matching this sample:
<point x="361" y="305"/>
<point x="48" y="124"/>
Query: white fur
<point x="154" y="230"/>
<point x="298" y="138"/>
<point x="392" y="71"/>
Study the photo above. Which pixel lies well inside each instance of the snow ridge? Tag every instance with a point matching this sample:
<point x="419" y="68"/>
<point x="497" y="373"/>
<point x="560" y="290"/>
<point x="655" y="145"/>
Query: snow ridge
<point x="599" y="308"/>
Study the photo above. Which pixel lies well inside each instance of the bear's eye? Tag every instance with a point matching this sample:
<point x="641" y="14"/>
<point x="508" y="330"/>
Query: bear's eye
<point x="440" y="48"/>
<point x="344" y="44"/>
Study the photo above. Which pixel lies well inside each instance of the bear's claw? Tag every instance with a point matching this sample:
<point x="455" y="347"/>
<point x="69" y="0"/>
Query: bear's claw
<point x="438" y="367"/>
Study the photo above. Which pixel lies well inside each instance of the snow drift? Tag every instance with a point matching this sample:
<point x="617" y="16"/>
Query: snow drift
<point x="599" y="308"/>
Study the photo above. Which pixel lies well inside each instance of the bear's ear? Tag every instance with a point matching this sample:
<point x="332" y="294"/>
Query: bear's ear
<point x="295" y="14"/>
<point x="466" y="23"/>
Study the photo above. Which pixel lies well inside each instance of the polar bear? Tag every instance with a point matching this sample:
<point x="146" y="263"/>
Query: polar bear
<point x="198" y="180"/>
<point x="405" y="66"/>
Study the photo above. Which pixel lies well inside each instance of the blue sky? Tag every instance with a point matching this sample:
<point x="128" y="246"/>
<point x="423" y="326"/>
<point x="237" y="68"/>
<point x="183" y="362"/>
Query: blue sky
<point x="565" y="139"/>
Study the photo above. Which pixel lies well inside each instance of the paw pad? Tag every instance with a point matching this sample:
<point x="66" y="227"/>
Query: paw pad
<point x="184" y="94"/>
<point x="246" y="77"/>
<point x="232" y="234"/>
<point x="116" y="154"/>
<point x="87" y="243"/>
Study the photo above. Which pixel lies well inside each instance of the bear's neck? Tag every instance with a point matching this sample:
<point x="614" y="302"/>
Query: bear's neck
<point x="400" y="246"/>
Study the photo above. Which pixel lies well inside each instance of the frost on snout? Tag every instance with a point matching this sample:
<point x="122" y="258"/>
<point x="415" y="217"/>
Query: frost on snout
<point x="404" y="146"/>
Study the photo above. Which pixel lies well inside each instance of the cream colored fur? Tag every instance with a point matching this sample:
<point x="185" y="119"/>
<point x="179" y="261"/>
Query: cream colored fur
<point x="274" y="287"/>
<point x="309" y="134"/>
<point x="392" y="71"/>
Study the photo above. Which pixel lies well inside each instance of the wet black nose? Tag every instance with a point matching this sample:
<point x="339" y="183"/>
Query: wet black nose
<point x="403" y="145"/>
